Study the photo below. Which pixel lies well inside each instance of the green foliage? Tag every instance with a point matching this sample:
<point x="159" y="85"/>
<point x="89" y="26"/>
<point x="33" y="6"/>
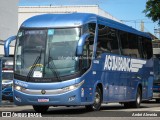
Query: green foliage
<point x="153" y="10"/>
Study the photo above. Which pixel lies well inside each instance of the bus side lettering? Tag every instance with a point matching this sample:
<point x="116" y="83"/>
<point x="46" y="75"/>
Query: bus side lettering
<point x="116" y="63"/>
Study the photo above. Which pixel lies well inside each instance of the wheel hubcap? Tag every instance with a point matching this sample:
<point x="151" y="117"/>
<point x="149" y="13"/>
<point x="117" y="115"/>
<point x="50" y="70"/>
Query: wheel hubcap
<point x="97" y="98"/>
<point x="138" y="99"/>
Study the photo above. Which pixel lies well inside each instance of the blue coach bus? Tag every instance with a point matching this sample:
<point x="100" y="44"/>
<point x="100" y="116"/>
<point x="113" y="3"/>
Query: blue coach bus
<point x="80" y="59"/>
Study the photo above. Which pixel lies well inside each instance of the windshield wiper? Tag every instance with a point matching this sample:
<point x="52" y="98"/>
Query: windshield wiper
<point x="38" y="59"/>
<point x="52" y="67"/>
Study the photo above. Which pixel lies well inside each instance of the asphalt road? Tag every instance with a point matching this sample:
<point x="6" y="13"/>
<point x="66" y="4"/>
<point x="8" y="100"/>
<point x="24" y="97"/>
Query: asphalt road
<point x="147" y="109"/>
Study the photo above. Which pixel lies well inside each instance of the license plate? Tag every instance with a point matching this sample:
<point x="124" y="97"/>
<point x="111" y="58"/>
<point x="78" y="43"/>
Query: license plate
<point x="43" y="100"/>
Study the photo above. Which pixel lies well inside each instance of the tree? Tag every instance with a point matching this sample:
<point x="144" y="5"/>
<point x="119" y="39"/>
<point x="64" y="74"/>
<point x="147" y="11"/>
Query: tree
<point x="152" y="10"/>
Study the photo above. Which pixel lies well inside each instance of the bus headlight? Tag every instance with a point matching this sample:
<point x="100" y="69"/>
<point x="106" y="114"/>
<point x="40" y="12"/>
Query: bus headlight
<point x="72" y="87"/>
<point x="17" y="87"/>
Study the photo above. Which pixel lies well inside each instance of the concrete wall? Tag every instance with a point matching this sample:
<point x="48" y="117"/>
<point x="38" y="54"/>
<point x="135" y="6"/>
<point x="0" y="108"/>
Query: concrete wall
<point x="8" y="20"/>
<point x="25" y="12"/>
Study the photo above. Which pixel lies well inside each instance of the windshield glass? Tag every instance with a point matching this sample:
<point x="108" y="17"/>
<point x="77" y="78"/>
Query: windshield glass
<point x="30" y="44"/>
<point x="46" y="53"/>
<point x="61" y="51"/>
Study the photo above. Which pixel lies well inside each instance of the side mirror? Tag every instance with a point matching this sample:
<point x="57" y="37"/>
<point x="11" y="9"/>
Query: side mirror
<point x="6" y="45"/>
<point x="81" y="43"/>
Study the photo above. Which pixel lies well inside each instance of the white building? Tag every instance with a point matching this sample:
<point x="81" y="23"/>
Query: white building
<point x="25" y="12"/>
<point x="8" y="21"/>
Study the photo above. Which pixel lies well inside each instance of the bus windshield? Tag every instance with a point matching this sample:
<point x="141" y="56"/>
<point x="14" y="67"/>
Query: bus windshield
<point x="47" y="53"/>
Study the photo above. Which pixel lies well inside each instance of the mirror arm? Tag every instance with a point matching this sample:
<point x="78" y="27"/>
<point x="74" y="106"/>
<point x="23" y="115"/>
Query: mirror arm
<point x="81" y="43"/>
<point x="6" y="45"/>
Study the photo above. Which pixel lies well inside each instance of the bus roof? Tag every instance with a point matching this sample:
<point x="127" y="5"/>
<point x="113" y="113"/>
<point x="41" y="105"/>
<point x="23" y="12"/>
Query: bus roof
<point x="74" y="20"/>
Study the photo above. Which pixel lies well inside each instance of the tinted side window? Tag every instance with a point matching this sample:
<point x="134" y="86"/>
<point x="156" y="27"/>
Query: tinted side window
<point x="114" y="41"/>
<point x="124" y="43"/>
<point x="133" y="45"/>
<point x="107" y="40"/>
<point x="91" y="29"/>
<point x="88" y="46"/>
<point x="130" y="44"/>
<point x="140" y="47"/>
<point x="148" y="47"/>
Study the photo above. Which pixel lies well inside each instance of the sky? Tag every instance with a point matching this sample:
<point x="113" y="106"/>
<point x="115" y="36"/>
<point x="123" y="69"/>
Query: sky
<point x="129" y="11"/>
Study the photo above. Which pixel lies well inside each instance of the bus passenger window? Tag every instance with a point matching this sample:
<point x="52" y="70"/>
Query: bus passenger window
<point x="103" y="46"/>
<point x="89" y="28"/>
<point x="147" y="44"/>
<point x="129" y="44"/>
<point x="133" y="45"/>
<point x="107" y="41"/>
<point x="87" y="53"/>
<point x="113" y="37"/>
<point x="124" y="43"/>
<point x="92" y="27"/>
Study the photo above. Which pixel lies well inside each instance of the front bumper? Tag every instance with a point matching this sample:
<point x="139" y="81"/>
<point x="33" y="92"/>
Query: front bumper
<point x="68" y="98"/>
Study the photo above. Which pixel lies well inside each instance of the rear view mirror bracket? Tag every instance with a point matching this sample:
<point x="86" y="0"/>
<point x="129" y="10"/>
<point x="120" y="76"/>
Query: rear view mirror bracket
<point x="81" y="43"/>
<point x="7" y="44"/>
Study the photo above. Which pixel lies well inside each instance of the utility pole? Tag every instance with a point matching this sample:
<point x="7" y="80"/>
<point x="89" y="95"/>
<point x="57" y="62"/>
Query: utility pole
<point x="142" y="26"/>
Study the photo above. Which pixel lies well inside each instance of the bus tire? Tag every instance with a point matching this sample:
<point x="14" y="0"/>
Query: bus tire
<point x="40" y="109"/>
<point x="97" y="101"/>
<point x="137" y="102"/>
<point x="157" y="100"/>
<point x="127" y="105"/>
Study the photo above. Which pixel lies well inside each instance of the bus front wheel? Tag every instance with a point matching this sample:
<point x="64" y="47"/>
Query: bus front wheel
<point x="97" y="101"/>
<point x="40" y="109"/>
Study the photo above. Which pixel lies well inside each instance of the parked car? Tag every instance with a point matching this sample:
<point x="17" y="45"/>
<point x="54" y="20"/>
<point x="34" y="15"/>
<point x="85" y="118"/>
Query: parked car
<point x="7" y="83"/>
<point x="7" y="80"/>
<point x="7" y="94"/>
